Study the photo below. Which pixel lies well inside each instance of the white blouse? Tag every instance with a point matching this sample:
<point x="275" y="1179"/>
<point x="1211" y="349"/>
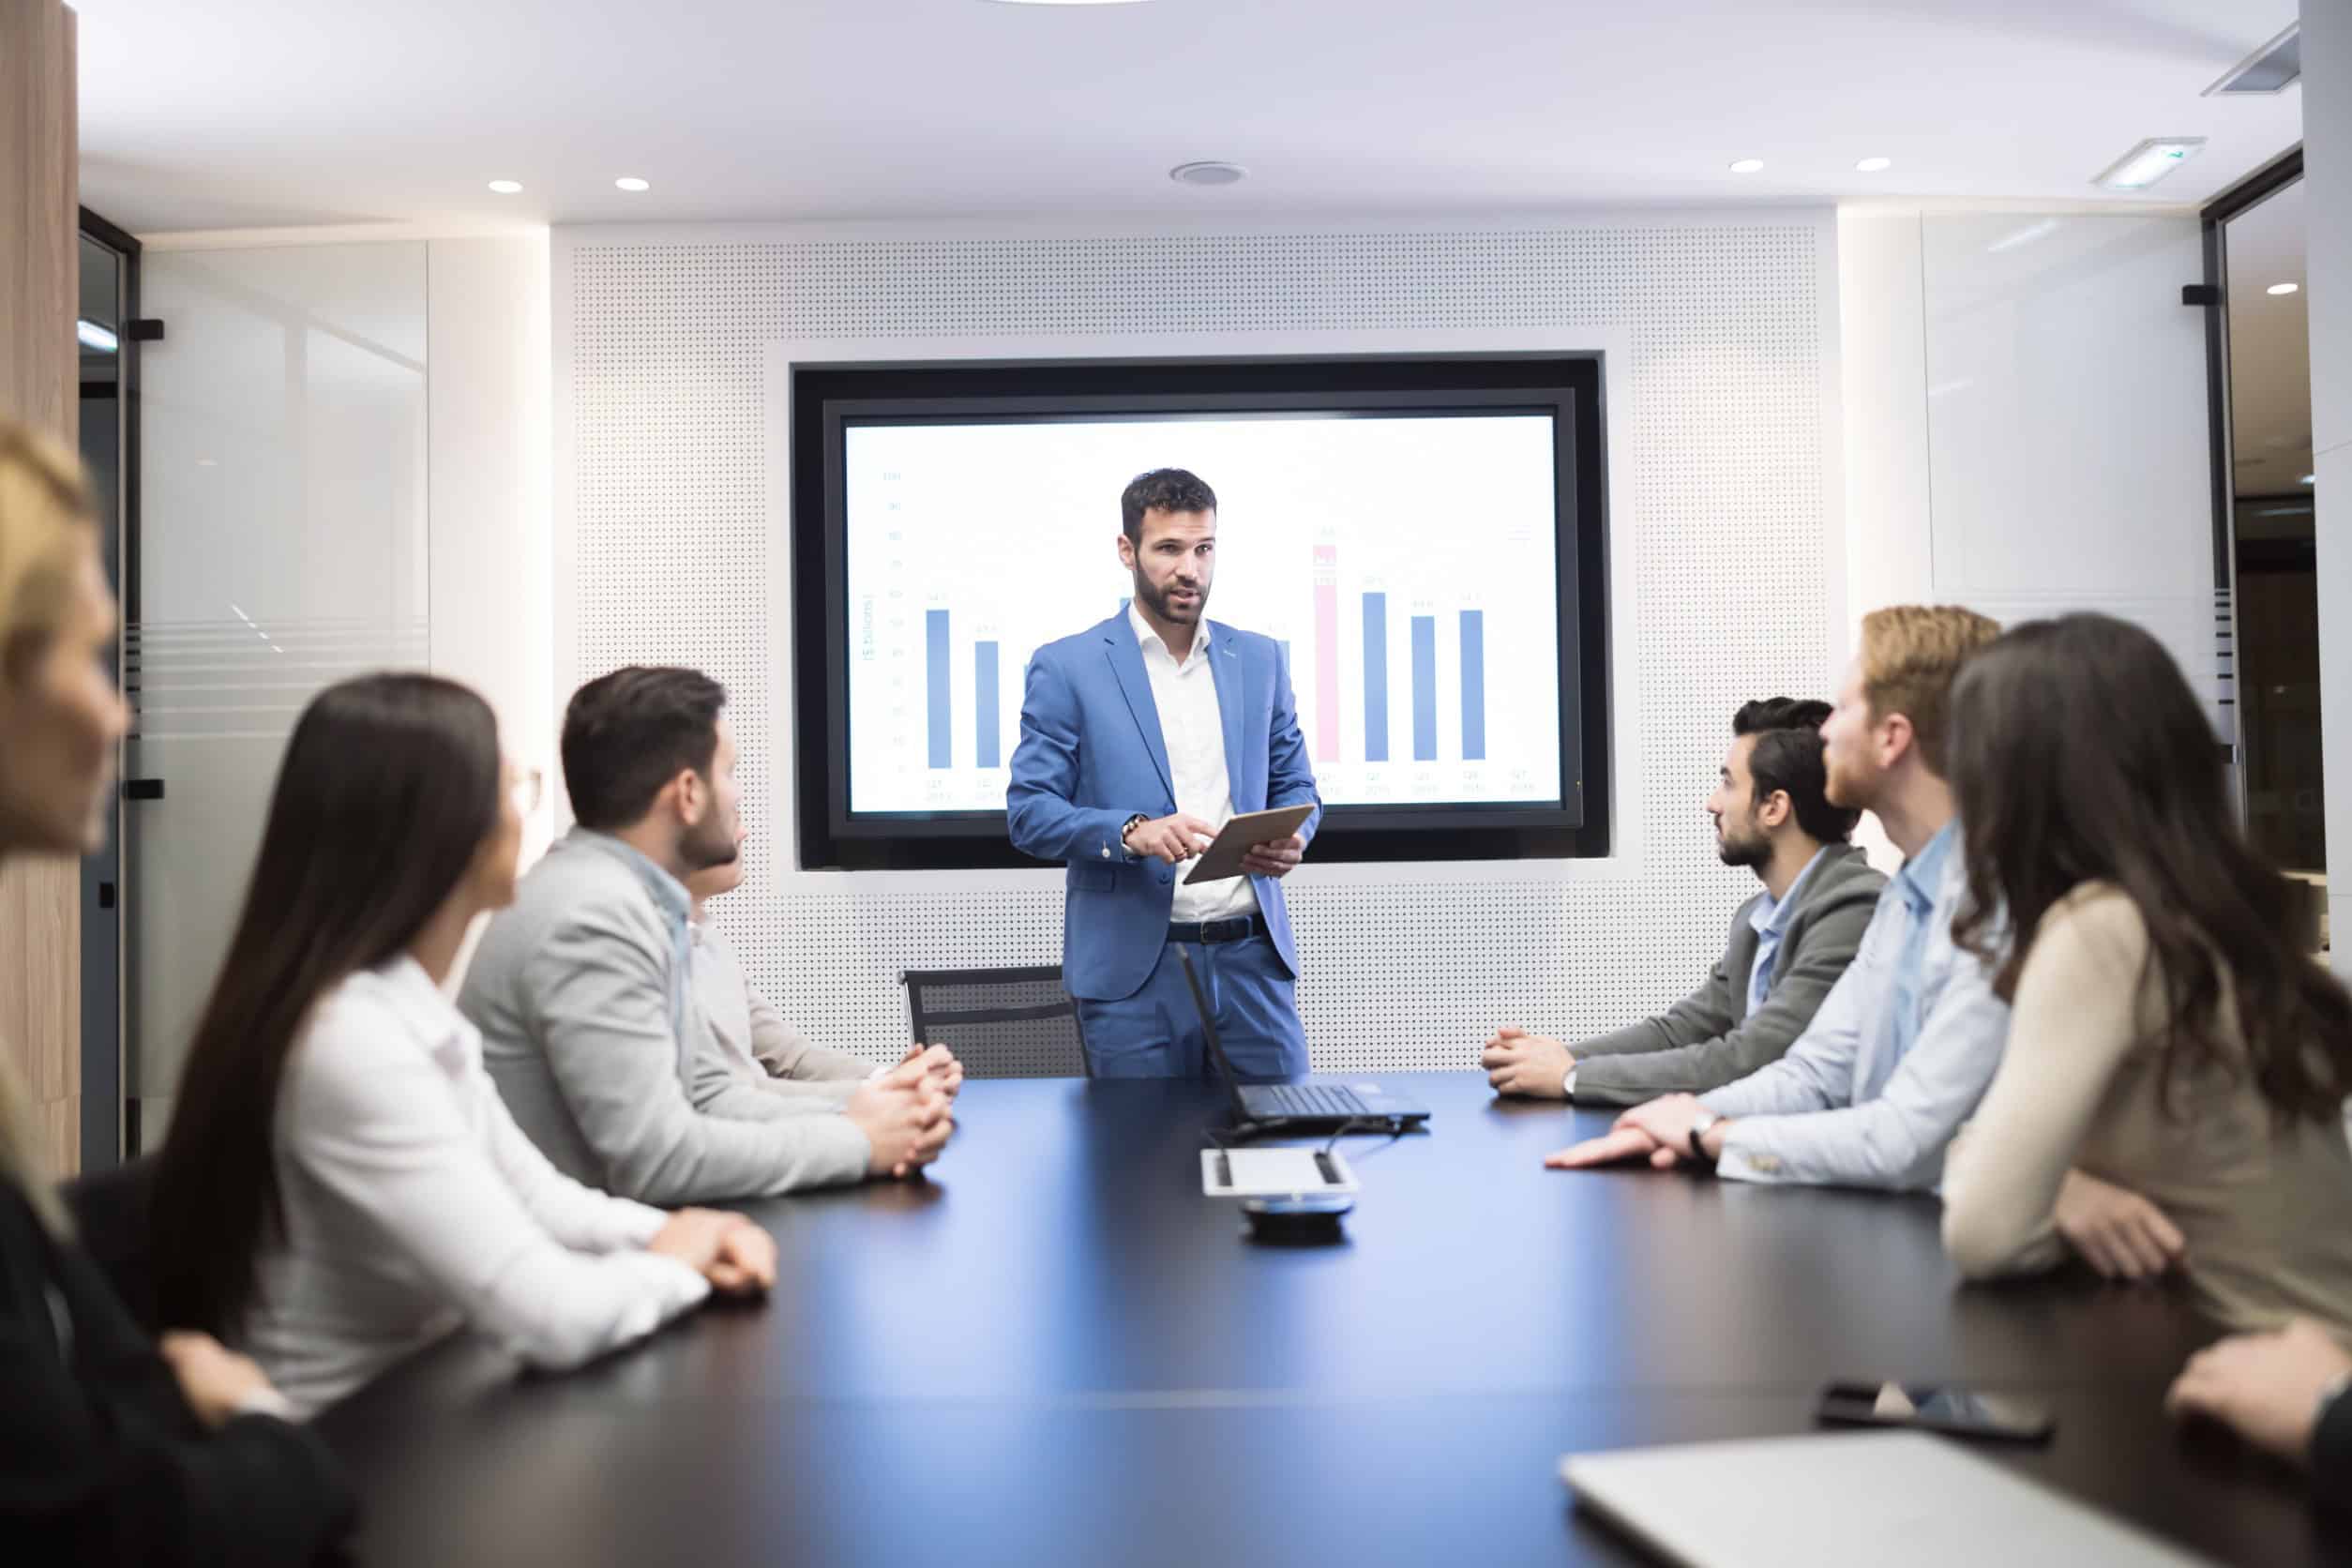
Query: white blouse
<point x="414" y="1206"/>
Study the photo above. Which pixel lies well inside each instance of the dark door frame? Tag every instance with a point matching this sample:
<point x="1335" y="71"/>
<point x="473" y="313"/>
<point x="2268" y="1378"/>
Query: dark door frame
<point x="109" y="1132"/>
<point x="2256" y="187"/>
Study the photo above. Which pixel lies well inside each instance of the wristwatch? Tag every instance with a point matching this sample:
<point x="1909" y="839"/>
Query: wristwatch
<point x="1701" y="1125"/>
<point x="1129" y="826"/>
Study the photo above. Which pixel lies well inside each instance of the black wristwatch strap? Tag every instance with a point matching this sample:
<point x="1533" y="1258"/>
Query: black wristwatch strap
<point x="1698" y="1143"/>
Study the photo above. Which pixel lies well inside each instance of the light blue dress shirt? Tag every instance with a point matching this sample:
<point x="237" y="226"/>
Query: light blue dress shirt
<point x="1769" y="918"/>
<point x="1901" y="1052"/>
<point x="1920" y="881"/>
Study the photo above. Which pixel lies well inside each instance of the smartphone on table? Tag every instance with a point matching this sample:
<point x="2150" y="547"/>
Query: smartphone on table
<point x="1939" y="1408"/>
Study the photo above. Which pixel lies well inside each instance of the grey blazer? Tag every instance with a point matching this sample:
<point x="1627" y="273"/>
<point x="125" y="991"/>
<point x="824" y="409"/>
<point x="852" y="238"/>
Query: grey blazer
<point x="1708" y="1038"/>
<point x="580" y="989"/>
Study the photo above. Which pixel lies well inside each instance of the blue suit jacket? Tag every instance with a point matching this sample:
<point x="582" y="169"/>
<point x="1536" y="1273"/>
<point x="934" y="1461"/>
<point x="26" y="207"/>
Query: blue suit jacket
<point x="1091" y="755"/>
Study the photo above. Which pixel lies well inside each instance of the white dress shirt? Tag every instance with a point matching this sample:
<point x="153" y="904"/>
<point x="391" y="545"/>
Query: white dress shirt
<point x="414" y="1206"/>
<point x="1192" y="728"/>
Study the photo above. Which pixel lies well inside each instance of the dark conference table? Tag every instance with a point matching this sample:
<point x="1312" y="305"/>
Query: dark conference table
<point x="1058" y="1350"/>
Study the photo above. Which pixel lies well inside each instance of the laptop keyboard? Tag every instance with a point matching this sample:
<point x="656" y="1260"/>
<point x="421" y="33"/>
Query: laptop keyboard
<point x="1315" y="1099"/>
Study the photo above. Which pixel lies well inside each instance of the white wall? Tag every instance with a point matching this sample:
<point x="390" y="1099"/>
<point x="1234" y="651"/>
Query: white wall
<point x="1726" y="545"/>
<point x="492" y="622"/>
<point x="2327" y="203"/>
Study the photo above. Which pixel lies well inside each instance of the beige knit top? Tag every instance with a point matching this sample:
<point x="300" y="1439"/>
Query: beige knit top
<point x="2266" y="1211"/>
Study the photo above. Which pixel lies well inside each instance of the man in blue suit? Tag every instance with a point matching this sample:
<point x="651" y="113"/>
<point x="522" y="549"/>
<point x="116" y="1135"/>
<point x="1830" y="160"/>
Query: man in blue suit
<point x="1139" y="738"/>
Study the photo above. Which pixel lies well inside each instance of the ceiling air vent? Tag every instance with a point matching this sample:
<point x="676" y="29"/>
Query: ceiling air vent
<point x="2267" y="71"/>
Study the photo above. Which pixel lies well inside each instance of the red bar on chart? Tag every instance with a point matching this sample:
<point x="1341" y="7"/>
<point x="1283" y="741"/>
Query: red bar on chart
<point x="1326" y="652"/>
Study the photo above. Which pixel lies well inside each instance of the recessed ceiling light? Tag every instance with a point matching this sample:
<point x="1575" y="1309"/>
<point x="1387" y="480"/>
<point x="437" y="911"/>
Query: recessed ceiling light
<point x="2308" y="479"/>
<point x="1208" y="170"/>
<point x="2284" y="288"/>
<point x="506" y="188"/>
<point x="2151" y="161"/>
<point x="631" y="182"/>
<point x="1747" y="165"/>
<point x="1872" y="165"/>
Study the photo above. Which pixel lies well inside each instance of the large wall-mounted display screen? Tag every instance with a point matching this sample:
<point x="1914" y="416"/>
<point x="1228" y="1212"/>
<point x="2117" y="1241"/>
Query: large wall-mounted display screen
<point x="1426" y="555"/>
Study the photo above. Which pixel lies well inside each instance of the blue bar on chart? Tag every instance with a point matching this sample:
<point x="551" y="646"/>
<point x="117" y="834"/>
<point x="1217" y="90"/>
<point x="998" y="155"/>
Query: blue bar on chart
<point x="1375" y="677"/>
<point x="935" y="633"/>
<point x="1425" y="688"/>
<point x="987" y="739"/>
<point x="1473" y="685"/>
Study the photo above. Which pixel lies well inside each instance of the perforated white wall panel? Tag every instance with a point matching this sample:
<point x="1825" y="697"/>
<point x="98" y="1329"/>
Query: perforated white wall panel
<point x="1724" y="570"/>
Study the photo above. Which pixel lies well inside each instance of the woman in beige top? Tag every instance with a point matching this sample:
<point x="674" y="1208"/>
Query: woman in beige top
<point x="2173" y="1090"/>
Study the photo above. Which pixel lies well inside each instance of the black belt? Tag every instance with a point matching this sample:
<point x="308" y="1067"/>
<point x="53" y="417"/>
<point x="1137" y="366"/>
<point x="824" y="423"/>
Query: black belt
<point x="1240" y="926"/>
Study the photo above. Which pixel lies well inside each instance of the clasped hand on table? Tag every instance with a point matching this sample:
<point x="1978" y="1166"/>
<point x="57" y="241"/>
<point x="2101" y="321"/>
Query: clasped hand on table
<point x="1660" y="1131"/>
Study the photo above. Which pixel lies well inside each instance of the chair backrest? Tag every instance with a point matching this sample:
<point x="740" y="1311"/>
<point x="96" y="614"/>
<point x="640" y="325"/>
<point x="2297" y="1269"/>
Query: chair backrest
<point x="110" y="1210"/>
<point x="1000" y="1022"/>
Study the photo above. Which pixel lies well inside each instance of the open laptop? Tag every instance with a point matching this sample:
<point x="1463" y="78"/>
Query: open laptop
<point x="1860" y="1500"/>
<point x="1317" y="1106"/>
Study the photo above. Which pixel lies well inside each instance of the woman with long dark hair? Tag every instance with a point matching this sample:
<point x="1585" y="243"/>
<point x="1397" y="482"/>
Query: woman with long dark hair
<point x="2173" y="1090"/>
<point x="341" y="1182"/>
<point x="109" y="1452"/>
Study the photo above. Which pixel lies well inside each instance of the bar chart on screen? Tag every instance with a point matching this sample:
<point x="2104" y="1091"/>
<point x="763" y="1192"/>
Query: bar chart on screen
<point x="1406" y="568"/>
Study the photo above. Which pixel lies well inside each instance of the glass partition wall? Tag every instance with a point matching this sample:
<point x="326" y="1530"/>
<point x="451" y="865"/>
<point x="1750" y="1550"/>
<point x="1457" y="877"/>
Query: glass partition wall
<point x="282" y="547"/>
<point x="2270" y="511"/>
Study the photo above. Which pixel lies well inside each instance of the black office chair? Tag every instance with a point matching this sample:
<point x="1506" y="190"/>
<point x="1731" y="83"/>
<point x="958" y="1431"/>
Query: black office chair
<point x="1000" y="1022"/>
<point x="110" y="1210"/>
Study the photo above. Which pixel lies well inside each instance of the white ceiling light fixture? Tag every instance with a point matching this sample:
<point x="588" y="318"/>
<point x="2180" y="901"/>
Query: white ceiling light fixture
<point x="2151" y="161"/>
<point x="92" y="336"/>
<point x="2284" y="288"/>
<point x="1874" y="165"/>
<point x="631" y="182"/>
<point x="506" y="187"/>
<point x="1747" y="165"/>
<point x="1208" y="171"/>
<point x="2272" y="69"/>
<point x="2308" y="479"/>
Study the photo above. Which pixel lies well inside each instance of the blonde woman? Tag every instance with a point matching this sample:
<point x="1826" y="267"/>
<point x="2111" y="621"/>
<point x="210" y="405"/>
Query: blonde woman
<point x="110" y="1451"/>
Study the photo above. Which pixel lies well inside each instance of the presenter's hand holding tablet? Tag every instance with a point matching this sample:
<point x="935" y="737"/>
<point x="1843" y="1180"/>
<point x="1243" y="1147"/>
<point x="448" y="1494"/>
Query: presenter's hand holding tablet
<point x="1276" y="857"/>
<point x="1171" y="839"/>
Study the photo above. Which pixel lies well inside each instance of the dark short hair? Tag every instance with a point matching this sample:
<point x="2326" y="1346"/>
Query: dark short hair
<point x="629" y="733"/>
<point x="1163" y="489"/>
<point x="1787" y="756"/>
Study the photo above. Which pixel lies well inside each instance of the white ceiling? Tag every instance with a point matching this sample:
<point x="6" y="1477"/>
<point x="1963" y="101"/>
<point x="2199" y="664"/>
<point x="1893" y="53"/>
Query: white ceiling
<point x="239" y="113"/>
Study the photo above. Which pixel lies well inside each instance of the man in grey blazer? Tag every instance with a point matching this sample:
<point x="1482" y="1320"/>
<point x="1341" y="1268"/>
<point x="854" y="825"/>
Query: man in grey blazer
<point x="1788" y="943"/>
<point x="582" y="987"/>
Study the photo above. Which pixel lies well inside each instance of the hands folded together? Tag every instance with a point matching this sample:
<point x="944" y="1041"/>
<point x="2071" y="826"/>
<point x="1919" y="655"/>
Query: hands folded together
<point x="907" y="1114"/>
